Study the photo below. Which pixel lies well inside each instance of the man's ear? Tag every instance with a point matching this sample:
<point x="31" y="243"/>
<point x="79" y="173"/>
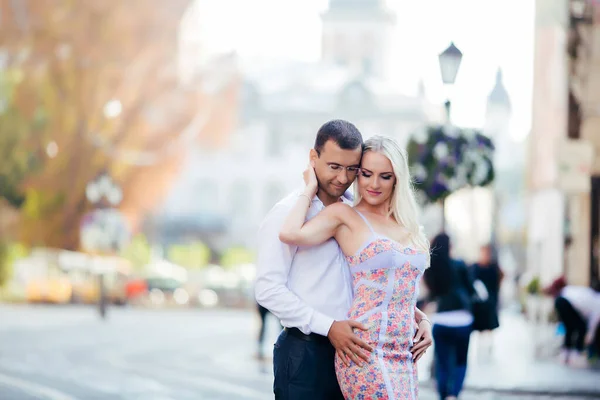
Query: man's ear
<point x="313" y="155"/>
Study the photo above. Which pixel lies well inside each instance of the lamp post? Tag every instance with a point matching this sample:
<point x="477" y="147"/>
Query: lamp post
<point x="103" y="230"/>
<point x="449" y="60"/>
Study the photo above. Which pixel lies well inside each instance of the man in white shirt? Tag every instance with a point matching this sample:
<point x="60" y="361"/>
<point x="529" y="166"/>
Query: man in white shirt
<point x="309" y="289"/>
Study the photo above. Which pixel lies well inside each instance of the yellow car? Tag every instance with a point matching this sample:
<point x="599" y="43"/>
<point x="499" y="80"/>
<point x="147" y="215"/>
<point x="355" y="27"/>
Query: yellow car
<point x="49" y="290"/>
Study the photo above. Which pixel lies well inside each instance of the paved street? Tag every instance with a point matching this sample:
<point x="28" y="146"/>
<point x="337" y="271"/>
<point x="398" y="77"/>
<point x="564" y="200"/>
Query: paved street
<point x="67" y="353"/>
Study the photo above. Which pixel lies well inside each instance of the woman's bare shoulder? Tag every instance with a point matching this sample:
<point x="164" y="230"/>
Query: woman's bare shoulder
<point x="345" y="212"/>
<point x="340" y="208"/>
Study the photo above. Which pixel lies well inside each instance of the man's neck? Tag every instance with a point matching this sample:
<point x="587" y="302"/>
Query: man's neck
<point x="326" y="199"/>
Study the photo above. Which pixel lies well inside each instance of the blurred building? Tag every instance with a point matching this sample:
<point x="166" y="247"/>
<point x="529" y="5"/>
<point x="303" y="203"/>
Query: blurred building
<point x="223" y="193"/>
<point x="564" y="167"/>
<point x="507" y="194"/>
<point x="493" y="214"/>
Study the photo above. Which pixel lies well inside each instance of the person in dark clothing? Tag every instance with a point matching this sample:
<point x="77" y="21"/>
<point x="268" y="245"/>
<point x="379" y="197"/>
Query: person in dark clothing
<point x="485" y="313"/>
<point x="578" y="308"/>
<point x="262" y="313"/>
<point x="451" y="288"/>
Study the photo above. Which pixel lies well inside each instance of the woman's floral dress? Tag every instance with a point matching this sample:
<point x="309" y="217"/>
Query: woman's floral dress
<point x="385" y="278"/>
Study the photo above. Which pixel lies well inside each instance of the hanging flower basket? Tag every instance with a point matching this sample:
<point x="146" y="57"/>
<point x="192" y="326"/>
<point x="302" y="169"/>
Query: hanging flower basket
<point x="446" y="159"/>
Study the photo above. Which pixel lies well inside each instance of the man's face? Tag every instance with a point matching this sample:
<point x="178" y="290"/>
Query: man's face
<point x="335" y="167"/>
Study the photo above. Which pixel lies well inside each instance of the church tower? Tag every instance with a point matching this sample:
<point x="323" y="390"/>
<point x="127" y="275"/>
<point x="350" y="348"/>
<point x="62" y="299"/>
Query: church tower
<point x="356" y="34"/>
<point x="498" y="110"/>
<point x="497" y="122"/>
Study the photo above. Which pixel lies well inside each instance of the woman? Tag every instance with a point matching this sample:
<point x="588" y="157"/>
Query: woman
<point x="387" y="254"/>
<point x="486" y="313"/>
<point x="451" y="288"/>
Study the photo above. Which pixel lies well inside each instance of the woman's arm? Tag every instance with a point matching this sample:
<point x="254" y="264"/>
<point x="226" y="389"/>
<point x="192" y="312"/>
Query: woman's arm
<point x="420" y="315"/>
<point x="316" y="231"/>
<point x="320" y="228"/>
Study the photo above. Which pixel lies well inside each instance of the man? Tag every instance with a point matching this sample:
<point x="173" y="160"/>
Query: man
<point x="309" y="289"/>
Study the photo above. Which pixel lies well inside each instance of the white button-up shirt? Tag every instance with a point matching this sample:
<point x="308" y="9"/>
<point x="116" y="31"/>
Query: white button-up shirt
<point x="305" y="287"/>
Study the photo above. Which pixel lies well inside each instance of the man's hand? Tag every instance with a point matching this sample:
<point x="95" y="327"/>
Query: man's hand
<point x="423" y="339"/>
<point x="347" y="345"/>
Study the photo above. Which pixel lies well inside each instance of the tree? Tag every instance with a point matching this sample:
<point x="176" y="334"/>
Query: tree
<point x="193" y="255"/>
<point x="98" y="82"/>
<point x="9" y="253"/>
<point x="444" y="160"/>
<point x="17" y="155"/>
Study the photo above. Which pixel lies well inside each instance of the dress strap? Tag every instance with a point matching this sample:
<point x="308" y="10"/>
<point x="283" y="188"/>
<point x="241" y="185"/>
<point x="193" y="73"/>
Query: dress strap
<point x="366" y="221"/>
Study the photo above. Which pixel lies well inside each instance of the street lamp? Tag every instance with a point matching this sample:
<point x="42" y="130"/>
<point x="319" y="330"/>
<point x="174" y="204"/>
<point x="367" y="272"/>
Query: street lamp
<point x="103" y="230"/>
<point x="103" y="187"/>
<point x="450" y="60"/>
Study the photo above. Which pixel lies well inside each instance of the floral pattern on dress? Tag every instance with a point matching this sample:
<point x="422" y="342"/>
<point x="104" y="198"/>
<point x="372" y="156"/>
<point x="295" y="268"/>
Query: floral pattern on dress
<point x="387" y="309"/>
<point x="372" y="249"/>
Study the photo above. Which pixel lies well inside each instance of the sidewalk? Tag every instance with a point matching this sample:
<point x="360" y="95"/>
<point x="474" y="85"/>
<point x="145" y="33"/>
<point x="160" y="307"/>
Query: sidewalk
<point x="514" y="369"/>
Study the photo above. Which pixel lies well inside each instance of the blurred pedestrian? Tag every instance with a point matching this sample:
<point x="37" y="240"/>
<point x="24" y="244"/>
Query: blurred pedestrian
<point x="578" y="308"/>
<point x="451" y="288"/>
<point x="485" y="313"/>
<point x="262" y="313"/>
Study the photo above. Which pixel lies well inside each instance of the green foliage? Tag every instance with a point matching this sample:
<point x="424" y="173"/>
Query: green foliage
<point x="236" y="256"/>
<point x="533" y="287"/>
<point x="138" y="251"/>
<point x="20" y="153"/>
<point x="193" y="255"/>
<point x="9" y="253"/>
<point x="38" y="203"/>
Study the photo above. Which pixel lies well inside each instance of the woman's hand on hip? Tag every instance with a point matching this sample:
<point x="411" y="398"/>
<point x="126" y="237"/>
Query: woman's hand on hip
<point x="423" y="339"/>
<point x="347" y="345"/>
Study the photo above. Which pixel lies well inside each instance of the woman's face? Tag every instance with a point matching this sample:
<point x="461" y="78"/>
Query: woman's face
<point x="376" y="178"/>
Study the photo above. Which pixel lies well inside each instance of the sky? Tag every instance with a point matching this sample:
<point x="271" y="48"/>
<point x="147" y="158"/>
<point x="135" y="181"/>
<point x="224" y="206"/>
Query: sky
<point x="490" y="34"/>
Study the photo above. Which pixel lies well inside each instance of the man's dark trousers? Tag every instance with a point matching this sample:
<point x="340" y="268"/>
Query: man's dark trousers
<point x="304" y="368"/>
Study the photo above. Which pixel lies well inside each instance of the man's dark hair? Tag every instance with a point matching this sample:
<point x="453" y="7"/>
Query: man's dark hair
<point x="343" y="133"/>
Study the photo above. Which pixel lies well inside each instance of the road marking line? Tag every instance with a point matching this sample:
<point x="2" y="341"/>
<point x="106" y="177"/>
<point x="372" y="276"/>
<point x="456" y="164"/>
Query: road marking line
<point x="35" y="389"/>
<point x="203" y="382"/>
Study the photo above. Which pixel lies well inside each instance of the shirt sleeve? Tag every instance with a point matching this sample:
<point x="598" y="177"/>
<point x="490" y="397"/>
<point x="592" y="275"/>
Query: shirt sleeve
<point x="271" y="290"/>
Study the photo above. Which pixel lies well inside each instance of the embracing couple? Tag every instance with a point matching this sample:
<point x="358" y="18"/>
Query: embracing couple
<point x="341" y="271"/>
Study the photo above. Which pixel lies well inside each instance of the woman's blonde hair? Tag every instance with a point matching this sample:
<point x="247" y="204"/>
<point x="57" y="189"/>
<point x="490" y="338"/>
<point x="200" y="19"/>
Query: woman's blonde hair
<point x="403" y="206"/>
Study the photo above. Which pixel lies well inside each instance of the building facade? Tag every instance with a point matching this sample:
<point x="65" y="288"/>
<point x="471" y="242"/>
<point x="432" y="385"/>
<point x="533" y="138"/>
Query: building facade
<point x="563" y="166"/>
<point x="228" y="191"/>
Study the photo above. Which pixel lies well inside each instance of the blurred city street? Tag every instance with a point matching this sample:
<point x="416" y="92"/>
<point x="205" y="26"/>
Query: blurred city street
<point x="68" y="353"/>
<point x="147" y="147"/>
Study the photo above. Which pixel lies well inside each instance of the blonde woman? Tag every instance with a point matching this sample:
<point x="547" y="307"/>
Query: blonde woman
<point x="387" y="254"/>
